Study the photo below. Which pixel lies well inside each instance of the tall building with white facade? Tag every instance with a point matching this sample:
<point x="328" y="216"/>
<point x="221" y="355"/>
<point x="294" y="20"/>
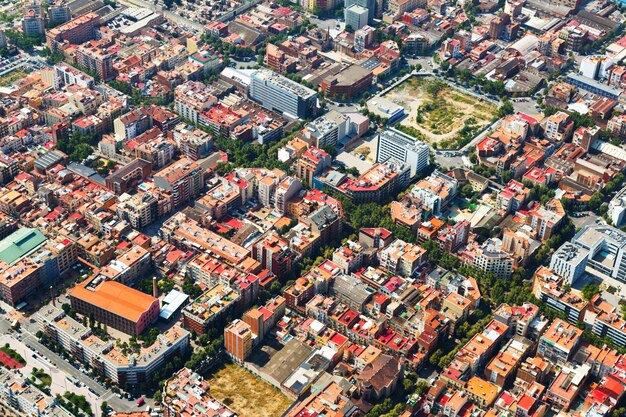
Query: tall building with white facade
<point x="606" y="250"/>
<point x="569" y="262"/>
<point x="356" y="16"/>
<point x="395" y="144"/>
<point x="278" y="93"/>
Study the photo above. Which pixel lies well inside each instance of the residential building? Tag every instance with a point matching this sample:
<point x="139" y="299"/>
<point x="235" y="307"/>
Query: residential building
<point x="105" y="357"/>
<point x="238" y="340"/>
<point x="204" y="312"/>
<point x="559" y="342"/>
<point x="184" y="179"/>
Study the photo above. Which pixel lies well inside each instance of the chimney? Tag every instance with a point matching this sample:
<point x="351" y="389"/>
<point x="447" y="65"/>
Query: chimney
<point x="52" y="297"/>
<point x="155" y="289"/>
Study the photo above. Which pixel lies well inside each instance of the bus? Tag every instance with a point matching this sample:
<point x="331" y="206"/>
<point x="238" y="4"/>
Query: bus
<point x="15" y="324"/>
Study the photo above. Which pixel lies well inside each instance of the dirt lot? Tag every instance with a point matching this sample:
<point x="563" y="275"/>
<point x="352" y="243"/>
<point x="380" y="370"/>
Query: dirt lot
<point x="246" y="394"/>
<point x="443" y="115"/>
<point x="11" y="77"/>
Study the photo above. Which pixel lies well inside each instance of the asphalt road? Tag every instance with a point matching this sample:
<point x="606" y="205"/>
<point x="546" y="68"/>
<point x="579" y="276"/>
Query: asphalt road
<point x="98" y="394"/>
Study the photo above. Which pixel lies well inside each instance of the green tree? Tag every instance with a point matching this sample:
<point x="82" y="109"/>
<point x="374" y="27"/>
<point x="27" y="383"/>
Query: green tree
<point x="104" y="408"/>
<point x="589" y="290"/>
<point x="505" y="109"/>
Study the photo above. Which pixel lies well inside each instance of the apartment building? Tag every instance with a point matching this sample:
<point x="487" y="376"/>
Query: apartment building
<point x="138" y="210"/>
<point x="104" y="357"/>
<point x="238" y="340"/>
<point x="184" y="179"/>
<point x="75" y="32"/>
<point x="559" y="342"/>
<point x="215" y="304"/>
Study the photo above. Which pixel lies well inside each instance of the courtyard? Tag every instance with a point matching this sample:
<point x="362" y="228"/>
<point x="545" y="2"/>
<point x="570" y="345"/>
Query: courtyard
<point x="439" y="113"/>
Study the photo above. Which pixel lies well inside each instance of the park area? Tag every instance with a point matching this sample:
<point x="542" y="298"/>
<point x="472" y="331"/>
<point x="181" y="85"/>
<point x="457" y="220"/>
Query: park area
<point x="440" y="114"/>
<point x="245" y="393"/>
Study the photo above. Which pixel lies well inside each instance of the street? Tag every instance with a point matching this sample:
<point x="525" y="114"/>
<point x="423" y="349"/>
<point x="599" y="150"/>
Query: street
<point x="57" y="367"/>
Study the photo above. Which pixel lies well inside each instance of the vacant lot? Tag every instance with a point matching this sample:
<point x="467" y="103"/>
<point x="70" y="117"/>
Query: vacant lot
<point x="246" y="394"/>
<point x="8" y="79"/>
<point x="440" y="114"/>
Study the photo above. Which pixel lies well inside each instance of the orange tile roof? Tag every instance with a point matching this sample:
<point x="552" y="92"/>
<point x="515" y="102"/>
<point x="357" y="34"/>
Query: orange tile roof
<point x="117" y="298"/>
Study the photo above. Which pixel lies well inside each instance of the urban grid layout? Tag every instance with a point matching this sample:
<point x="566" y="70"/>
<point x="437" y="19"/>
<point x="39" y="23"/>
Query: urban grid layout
<point x="312" y="208"/>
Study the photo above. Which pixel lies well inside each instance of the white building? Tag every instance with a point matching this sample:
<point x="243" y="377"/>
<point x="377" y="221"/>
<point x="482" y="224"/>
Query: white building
<point x="395" y="144"/>
<point x="617" y="208"/>
<point x="356" y="16"/>
<point x="569" y="262"/>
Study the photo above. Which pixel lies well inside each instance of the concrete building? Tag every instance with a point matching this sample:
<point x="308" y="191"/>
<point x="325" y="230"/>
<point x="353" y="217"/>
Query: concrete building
<point x="569" y="262"/>
<point x="238" y="340"/>
<point x="59" y="12"/>
<point x="617" y="208"/>
<point x="278" y="93"/>
<point x="184" y="179"/>
<point x="138" y="210"/>
<point x="33" y="20"/>
<point x="606" y="250"/>
<point x="356" y="16"/>
<point x="369" y="5"/>
<point x="395" y="144"/>
<point x="103" y="356"/>
<point x="559" y="342"/>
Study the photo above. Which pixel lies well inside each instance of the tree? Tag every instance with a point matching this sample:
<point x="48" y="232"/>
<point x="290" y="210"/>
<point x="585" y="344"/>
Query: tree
<point x="436" y="357"/>
<point x="505" y="109"/>
<point x="422" y="387"/>
<point x="589" y="290"/>
<point x="104" y="408"/>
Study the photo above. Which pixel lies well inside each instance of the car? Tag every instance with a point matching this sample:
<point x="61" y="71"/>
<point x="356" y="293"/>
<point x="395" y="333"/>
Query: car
<point x="140" y="402"/>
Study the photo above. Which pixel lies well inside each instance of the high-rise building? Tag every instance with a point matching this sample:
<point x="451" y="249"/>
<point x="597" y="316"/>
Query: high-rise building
<point x="278" y="93"/>
<point x="369" y="5"/>
<point x="238" y="340"/>
<point x="33" y="19"/>
<point x="392" y="143"/>
<point x="356" y="16"/>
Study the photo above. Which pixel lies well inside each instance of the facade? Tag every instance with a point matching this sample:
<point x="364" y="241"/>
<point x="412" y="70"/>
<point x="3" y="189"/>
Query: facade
<point x="395" y="144"/>
<point x="105" y="357"/>
<point x="33" y="20"/>
<point x="76" y="31"/>
<point x="569" y="262"/>
<point x="238" y="340"/>
<point x="184" y="179"/>
<point x="278" y="93"/>
<point x="356" y="16"/>
<point x="559" y="342"/>
<point x="605" y="247"/>
<point x="617" y="208"/>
